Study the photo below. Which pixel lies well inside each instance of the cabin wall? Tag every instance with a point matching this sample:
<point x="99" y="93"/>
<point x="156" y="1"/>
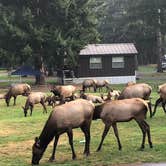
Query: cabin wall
<point x="107" y="70"/>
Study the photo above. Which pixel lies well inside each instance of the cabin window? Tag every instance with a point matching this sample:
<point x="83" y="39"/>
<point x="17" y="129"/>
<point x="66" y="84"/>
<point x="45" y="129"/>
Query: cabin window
<point x="95" y="63"/>
<point x="117" y="62"/>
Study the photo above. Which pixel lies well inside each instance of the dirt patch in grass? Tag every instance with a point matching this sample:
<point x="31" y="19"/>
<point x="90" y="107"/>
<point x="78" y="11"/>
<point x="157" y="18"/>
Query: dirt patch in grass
<point x="18" y="147"/>
<point x="7" y="131"/>
<point x="14" y="148"/>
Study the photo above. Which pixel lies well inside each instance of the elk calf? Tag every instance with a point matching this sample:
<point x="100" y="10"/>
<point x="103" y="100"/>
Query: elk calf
<point x="34" y="98"/>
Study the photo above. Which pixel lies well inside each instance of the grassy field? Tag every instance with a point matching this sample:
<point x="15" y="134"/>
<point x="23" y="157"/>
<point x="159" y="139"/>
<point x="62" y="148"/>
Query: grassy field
<point x="17" y="135"/>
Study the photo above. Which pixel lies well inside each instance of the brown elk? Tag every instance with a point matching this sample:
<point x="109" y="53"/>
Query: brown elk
<point x="112" y="95"/>
<point x="140" y="90"/>
<point x="123" y="111"/>
<point x="63" y="92"/>
<point x="90" y="97"/>
<point x="64" y="118"/>
<point x="51" y="100"/>
<point x="15" y="90"/>
<point x="34" y="98"/>
<point x="102" y="83"/>
<point x="161" y="99"/>
<point x="88" y="84"/>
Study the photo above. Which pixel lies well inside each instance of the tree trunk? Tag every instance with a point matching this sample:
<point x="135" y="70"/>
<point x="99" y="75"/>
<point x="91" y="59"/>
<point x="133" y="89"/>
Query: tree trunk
<point x="39" y="65"/>
<point x="159" y="44"/>
<point x="40" y="79"/>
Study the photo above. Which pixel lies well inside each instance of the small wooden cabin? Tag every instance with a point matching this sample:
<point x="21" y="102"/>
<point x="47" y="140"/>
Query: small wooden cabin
<point x="114" y="62"/>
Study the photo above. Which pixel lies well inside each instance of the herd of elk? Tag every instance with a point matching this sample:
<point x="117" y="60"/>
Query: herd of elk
<point x="77" y="110"/>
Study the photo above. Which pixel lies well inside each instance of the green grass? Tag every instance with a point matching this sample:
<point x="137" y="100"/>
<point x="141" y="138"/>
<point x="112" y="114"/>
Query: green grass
<point x="17" y="134"/>
<point x="148" y="68"/>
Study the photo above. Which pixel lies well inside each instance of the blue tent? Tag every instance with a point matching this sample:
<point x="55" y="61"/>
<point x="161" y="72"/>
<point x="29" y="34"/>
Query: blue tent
<point x="26" y="70"/>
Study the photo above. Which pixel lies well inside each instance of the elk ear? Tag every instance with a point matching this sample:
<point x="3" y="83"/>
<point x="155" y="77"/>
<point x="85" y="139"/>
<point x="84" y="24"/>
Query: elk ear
<point x="36" y="139"/>
<point x="37" y="142"/>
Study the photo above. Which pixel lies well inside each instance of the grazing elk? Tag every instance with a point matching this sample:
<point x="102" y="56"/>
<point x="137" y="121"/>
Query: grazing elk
<point x="112" y="95"/>
<point x="102" y="83"/>
<point x="140" y="90"/>
<point x="123" y="111"/>
<point x="88" y="84"/>
<point x="161" y="99"/>
<point x="51" y="100"/>
<point x="15" y="90"/>
<point x="34" y="98"/>
<point x="63" y="92"/>
<point x="90" y="97"/>
<point x="64" y="118"/>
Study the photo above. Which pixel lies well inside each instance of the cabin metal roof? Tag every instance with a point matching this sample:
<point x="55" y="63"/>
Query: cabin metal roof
<point x="107" y="49"/>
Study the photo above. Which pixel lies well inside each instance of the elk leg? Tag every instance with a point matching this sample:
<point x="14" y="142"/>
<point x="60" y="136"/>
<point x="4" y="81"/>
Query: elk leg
<point x="143" y="129"/>
<point x="148" y="133"/>
<point x="70" y="135"/>
<point x="44" y="107"/>
<point x="150" y="109"/>
<point x="163" y="106"/>
<point x="14" y="100"/>
<point x="106" y="129"/>
<point x="117" y="135"/>
<point x="62" y="100"/>
<point x="52" y="158"/>
<point x="158" y="101"/>
<point x="86" y="130"/>
<point x="31" y="108"/>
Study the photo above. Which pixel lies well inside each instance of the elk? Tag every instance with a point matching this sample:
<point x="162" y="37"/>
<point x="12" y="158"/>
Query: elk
<point x="112" y="95"/>
<point x="63" y="92"/>
<point x="140" y="90"/>
<point x="102" y="83"/>
<point x="34" y="98"/>
<point x="88" y="84"/>
<point x="90" y="97"/>
<point x="123" y="111"/>
<point x="161" y="99"/>
<point x="64" y="118"/>
<point x="15" y="90"/>
<point x="51" y="100"/>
